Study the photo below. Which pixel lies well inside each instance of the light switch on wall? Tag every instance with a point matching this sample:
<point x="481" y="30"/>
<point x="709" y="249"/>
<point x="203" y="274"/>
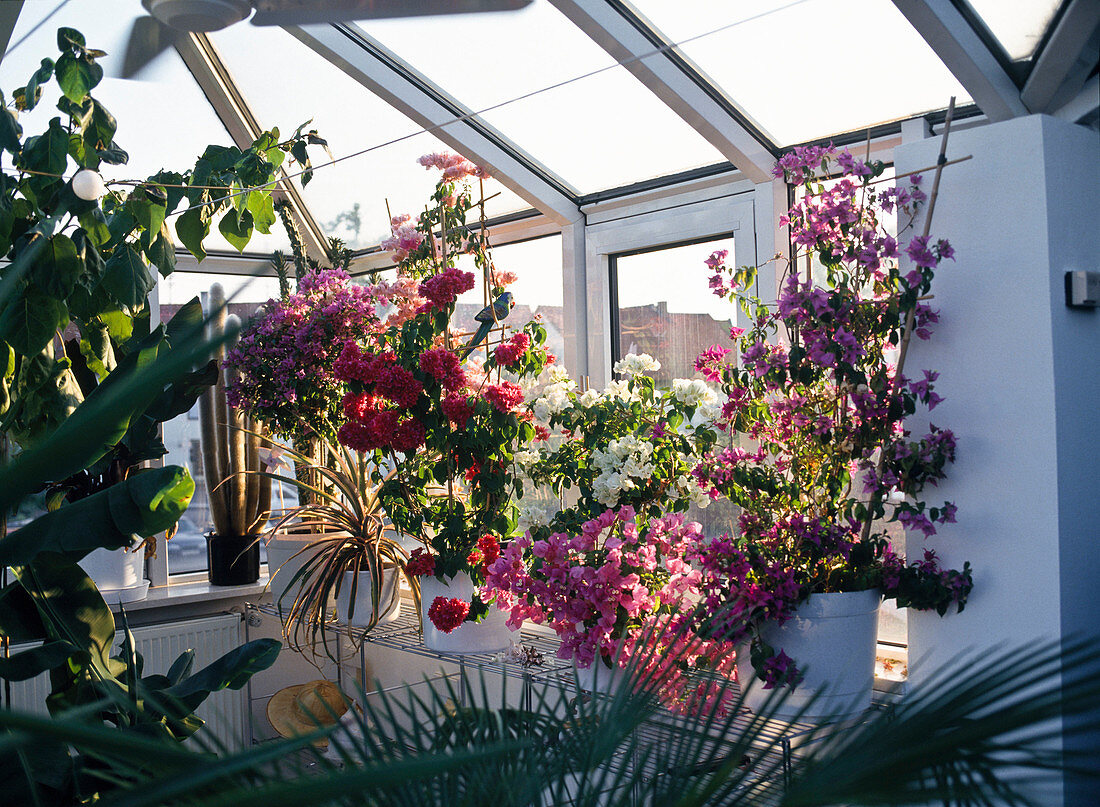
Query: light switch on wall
<point x="1082" y="289"/>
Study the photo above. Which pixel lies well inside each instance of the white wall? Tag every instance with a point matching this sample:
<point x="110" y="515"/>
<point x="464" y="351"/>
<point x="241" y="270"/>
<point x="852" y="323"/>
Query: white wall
<point x="1021" y="376"/>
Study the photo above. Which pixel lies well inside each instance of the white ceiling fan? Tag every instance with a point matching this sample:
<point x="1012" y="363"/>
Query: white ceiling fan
<point x="152" y="35"/>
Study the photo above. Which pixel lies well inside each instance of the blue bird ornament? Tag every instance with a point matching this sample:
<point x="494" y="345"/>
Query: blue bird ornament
<point x="489" y="316"/>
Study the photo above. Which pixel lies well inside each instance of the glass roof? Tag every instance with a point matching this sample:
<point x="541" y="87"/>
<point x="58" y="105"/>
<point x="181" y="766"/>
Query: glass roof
<point x="599" y="132"/>
<point x="799" y="69"/>
<point x="286" y="84"/>
<point x="876" y="68"/>
<point x="164" y="120"/>
<point x="1019" y="27"/>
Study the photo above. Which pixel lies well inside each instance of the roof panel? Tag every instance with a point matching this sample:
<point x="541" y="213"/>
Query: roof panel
<point x="598" y="132"/>
<point x="287" y="84"/>
<point x="811" y="69"/>
<point x="1018" y="26"/>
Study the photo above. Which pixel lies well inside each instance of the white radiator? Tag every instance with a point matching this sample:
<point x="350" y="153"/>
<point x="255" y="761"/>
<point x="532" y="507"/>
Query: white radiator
<point x="160" y="645"/>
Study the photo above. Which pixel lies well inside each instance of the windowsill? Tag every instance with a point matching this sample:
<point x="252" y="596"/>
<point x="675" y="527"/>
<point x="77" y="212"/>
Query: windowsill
<point x="193" y="593"/>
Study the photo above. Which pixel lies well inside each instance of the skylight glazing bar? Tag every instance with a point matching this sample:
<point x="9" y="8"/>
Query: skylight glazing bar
<point x="967" y="55"/>
<point x="386" y="75"/>
<point x="1065" y="59"/>
<point x="216" y="82"/>
<point x="624" y="34"/>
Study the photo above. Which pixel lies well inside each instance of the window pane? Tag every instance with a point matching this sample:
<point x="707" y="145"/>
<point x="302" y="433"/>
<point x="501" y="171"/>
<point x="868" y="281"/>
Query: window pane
<point x="287" y="84"/>
<point x="779" y="66"/>
<point x="666" y="309"/>
<point x="182" y="435"/>
<point x="599" y="132"/>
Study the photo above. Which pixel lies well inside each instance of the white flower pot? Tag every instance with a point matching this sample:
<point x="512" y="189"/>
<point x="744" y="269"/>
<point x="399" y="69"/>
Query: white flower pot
<point x="831" y="639"/>
<point x="119" y="574"/>
<point x="491" y="635"/>
<point x="284" y="561"/>
<point x="359" y="617"/>
<point x="599" y="678"/>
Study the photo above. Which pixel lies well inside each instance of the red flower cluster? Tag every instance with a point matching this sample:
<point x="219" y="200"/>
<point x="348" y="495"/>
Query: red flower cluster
<point x="380" y="371"/>
<point x="512" y="351"/>
<point x="486" y="551"/>
<point x="443" y="289"/>
<point x="458" y="409"/>
<point x="505" y="396"/>
<point x="448" y="614"/>
<point x="445" y="367"/>
<point x="421" y="563"/>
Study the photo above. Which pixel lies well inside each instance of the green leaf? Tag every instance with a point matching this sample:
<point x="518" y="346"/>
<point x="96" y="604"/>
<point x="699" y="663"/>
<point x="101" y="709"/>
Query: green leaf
<point x="77" y="75"/>
<point x="29" y="321"/>
<point x="148" y="205"/>
<point x="10" y="130"/>
<point x="47" y="393"/>
<point x="70" y="39"/>
<point x="143" y="505"/>
<point x="120" y="325"/>
<point x="103" y="124"/>
<point x="58" y="266"/>
<point x="41" y="76"/>
<point x="127" y="278"/>
<point x="299" y="153"/>
<point x="231" y="671"/>
<point x="29" y="663"/>
<point x="47" y="153"/>
<point x="262" y="208"/>
<point x="113" y="155"/>
<point x="237" y="228"/>
<point x="162" y="252"/>
<point x="95" y="226"/>
<point x="192" y="228"/>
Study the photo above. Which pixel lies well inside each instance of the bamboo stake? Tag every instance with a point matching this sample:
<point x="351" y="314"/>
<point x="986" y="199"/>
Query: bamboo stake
<point x="910" y="316"/>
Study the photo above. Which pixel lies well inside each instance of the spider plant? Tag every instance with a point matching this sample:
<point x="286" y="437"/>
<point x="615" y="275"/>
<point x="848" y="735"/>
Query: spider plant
<point x="343" y="509"/>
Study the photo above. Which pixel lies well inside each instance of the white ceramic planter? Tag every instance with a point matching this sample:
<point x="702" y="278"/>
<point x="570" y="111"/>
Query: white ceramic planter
<point x="118" y="574"/>
<point x="283" y="562"/>
<point x="360" y="617"/>
<point x="600" y="679"/>
<point x="491" y="635"/>
<point x="831" y="638"/>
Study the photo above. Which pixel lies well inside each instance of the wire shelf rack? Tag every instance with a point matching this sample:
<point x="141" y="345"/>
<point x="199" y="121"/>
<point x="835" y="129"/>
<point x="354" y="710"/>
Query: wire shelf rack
<point x="765" y="765"/>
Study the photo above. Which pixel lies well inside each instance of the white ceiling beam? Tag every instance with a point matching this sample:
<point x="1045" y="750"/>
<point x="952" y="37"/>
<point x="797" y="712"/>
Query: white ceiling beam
<point x="669" y="76"/>
<point x="383" y="73"/>
<point x="1085" y="106"/>
<point x="198" y="53"/>
<point x="1066" y="60"/>
<point x="964" y="53"/>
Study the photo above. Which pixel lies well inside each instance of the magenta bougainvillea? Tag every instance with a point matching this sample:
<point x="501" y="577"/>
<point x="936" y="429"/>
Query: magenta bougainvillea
<point x="817" y="390"/>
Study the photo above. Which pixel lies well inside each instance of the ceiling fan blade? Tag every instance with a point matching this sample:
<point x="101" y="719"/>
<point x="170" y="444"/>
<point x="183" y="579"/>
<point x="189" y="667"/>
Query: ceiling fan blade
<point x="148" y="39"/>
<point x="309" y="12"/>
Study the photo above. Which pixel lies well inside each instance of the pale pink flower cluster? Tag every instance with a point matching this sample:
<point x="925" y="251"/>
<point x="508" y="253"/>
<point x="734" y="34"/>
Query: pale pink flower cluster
<point x="404" y="295"/>
<point x="453" y="166"/>
<point x="404" y="237"/>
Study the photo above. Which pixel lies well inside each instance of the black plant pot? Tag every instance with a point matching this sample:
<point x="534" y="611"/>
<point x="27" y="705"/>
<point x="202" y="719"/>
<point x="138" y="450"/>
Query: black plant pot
<point x="233" y="560"/>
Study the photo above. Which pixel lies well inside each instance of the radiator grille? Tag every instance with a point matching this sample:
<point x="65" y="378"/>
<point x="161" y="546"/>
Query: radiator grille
<point x="160" y="645"/>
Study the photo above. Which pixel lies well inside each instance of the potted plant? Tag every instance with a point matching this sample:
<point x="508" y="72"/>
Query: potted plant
<point x="354" y="556"/>
<point x="819" y="395"/>
<point x="442" y="436"/>
<point x="239" y="501"/>
<point x="281" y="374"/>
<point x="602" y="570"/>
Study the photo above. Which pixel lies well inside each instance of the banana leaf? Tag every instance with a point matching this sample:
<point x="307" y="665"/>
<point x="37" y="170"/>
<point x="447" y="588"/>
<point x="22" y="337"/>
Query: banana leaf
<point x="143" y="505"/>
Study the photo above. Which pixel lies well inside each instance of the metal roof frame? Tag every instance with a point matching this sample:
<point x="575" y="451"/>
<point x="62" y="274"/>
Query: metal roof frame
<point x="1066" y="58"/>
